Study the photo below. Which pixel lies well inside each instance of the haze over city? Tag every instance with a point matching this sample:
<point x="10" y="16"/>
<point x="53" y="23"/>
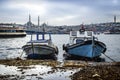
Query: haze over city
<point x="59" y="12"/>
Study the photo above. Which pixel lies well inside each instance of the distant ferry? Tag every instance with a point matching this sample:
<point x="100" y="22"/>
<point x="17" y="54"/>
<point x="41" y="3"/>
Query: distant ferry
<point x="6" y="32"/>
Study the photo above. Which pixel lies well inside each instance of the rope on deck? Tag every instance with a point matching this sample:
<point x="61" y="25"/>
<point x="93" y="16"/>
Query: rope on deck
<point x="110" y="58"/>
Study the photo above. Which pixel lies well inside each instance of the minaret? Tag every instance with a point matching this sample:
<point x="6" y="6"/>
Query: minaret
<point x="38" y="21"/>
<point x="114" y="18"/>
<point x="29" y="18"/>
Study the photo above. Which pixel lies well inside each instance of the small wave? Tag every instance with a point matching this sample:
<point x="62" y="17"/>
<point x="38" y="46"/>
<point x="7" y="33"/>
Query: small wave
<point x="1" y="52"/>
<point x="13" y="48"/>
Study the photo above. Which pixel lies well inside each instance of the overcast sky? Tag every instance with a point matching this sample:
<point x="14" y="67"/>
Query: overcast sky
<point x="59" y="12"/>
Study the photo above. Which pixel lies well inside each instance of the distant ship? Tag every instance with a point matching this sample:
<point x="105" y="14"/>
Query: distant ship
<point x="8" y="32"/>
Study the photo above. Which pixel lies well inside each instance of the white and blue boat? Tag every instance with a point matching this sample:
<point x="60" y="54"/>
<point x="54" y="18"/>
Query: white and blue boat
<point x="40" y="48"/>
<point x="84" y="44"/>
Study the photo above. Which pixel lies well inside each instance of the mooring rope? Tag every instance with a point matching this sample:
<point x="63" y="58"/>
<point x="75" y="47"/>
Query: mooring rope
<point x="21" y="54"/>
<point x="110" y="58"/>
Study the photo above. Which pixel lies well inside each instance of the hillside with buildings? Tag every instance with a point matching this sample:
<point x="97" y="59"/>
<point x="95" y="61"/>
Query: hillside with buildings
<point x="107" y="28"/>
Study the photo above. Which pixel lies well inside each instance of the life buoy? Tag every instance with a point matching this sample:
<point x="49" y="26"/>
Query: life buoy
<point x="82" y="30"/>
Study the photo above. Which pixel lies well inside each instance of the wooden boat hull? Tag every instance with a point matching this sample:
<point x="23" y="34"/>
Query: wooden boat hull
<point x="40" y="51"/>
<point x="86" y="49"/>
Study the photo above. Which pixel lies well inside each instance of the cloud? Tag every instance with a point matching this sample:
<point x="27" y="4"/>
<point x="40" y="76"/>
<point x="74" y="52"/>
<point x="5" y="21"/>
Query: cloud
<point x="58" y="12"/>
<point x="30" y="7"/>
<point x="115" y="2"/>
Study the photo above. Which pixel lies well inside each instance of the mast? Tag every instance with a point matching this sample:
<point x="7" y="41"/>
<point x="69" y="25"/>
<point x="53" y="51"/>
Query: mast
<point x="29" y="18"/>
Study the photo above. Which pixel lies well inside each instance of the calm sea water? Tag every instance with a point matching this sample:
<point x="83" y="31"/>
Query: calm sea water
<point x="12" y="47"/>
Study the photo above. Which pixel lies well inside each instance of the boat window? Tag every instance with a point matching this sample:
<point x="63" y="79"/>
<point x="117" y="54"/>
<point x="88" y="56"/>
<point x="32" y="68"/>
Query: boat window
<point x="13" y="30"/>
<point x="89" y="33"/>
<point x="19" y="31"/>
<point x="2" y="31"/>
<point x="79" y="40"/>
<point x="81" y="32"/>
<point x="73" y="33"/>
<point x="6" y="31"/>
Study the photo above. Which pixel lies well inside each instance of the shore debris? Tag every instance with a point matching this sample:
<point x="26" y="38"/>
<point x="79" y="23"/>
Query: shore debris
<point x="16" y="62"/>
<point x="85" y="70"/>
<point x="98" y="72"/>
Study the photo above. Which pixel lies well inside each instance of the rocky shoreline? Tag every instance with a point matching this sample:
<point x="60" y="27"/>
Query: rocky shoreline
<point x="85" y="70"/>
<point x="99" y="72"/>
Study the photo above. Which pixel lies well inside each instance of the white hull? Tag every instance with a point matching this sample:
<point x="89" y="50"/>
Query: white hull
<point x="39" y="49"/>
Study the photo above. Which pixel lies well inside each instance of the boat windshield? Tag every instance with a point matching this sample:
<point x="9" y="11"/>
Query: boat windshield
<point x="89" y="33"/>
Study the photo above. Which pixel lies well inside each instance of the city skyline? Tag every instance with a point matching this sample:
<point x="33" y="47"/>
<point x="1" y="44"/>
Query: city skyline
<point x="59" y="12"/>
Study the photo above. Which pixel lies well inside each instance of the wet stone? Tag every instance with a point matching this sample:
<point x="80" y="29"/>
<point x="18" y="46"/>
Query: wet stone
<point x="98" y="73"/>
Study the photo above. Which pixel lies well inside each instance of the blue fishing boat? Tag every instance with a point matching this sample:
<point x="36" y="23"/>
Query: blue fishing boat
<point x="84" y="44"/>
<point x="40" y="48"/>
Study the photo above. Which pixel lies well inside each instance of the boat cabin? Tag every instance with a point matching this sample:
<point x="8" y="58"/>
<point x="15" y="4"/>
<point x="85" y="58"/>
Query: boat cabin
<point x="78" y="36"/>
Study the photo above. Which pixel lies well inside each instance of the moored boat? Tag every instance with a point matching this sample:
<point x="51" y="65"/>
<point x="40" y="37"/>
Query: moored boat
<point x="84" y="44"/>
<point x="40" y="48"/>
